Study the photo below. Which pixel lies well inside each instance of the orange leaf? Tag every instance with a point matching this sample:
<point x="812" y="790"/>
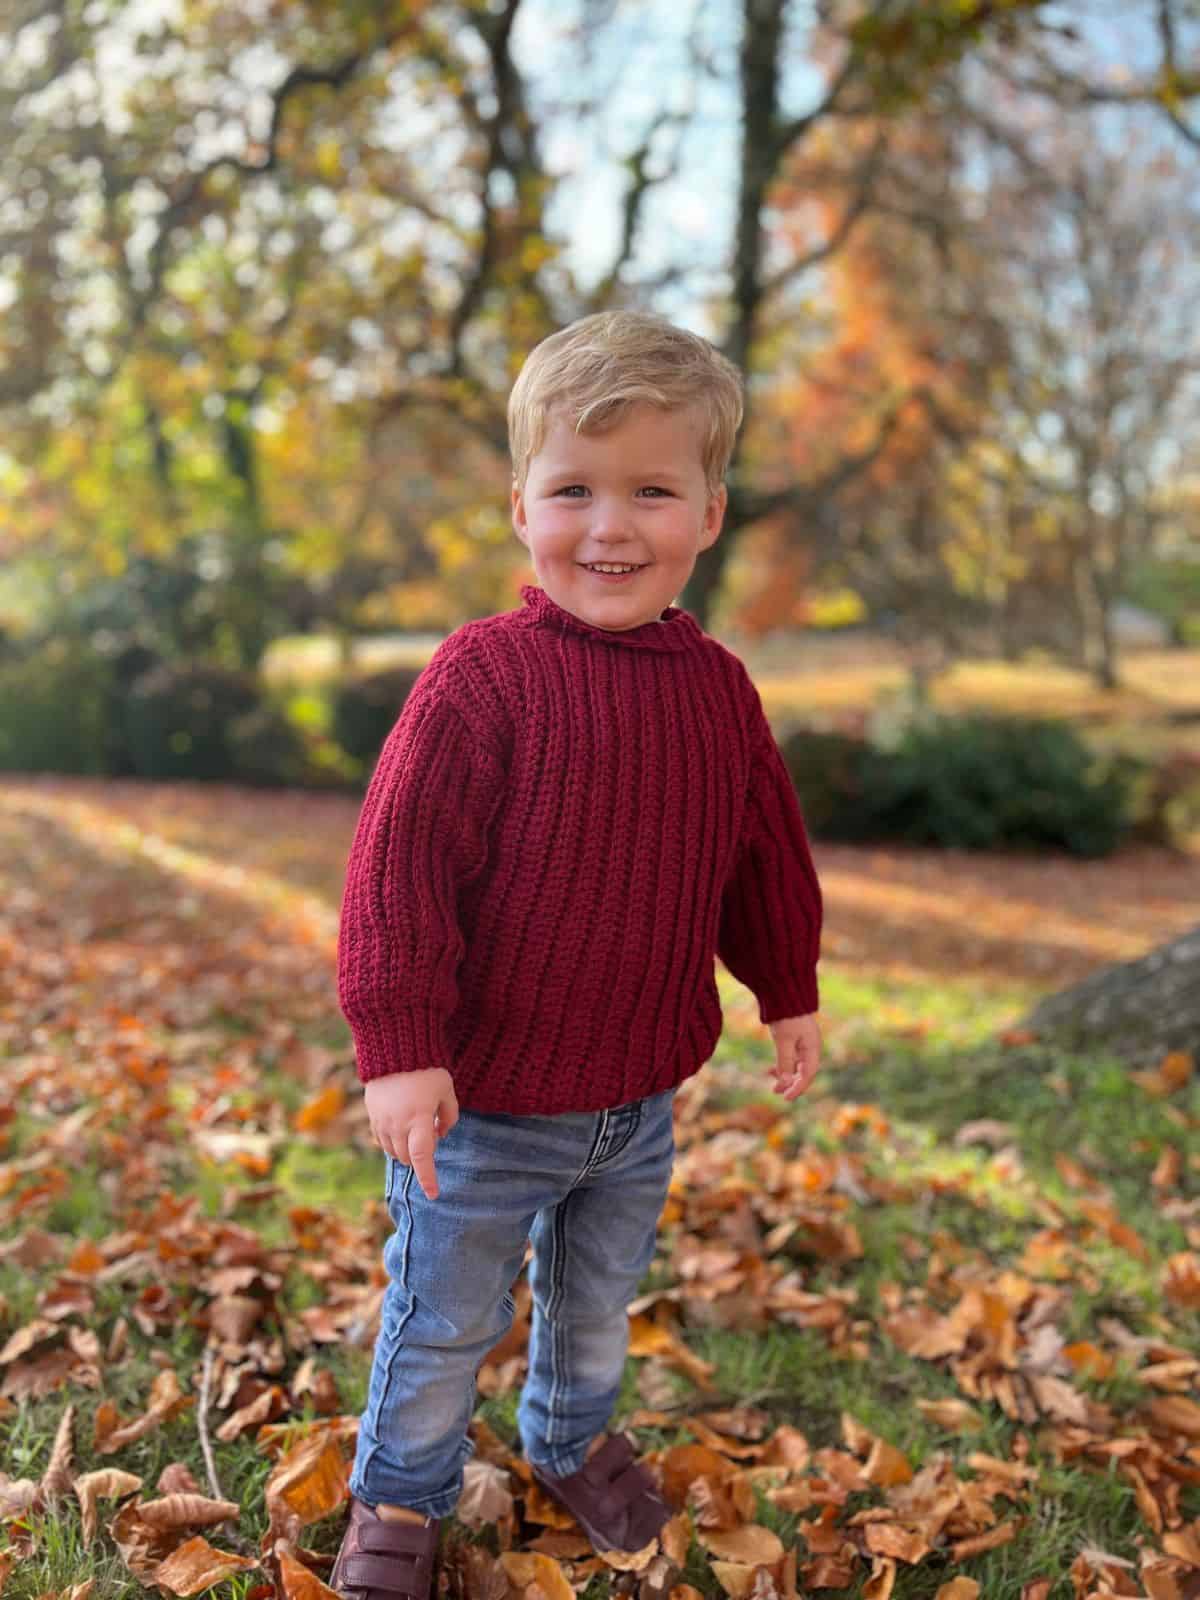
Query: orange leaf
<point x="312" y="1480"/>
<point x="522" y="1570"/>
<point x="1090" y="1360"/>
<point x="299" y="1583"/>
<point x="320" y="1110"/>
<point x="1181" y="1279"/>
<point x="196" y="1566"/>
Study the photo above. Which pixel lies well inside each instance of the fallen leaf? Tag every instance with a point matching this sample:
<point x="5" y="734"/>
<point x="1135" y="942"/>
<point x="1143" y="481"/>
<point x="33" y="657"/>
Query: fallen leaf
<point x="196" y="1565"/>
<point x="300" y="1582"/>
<point x="109" y="1483"/>
<point x="753" y="1544"/>
<point x="522" y="1570"/>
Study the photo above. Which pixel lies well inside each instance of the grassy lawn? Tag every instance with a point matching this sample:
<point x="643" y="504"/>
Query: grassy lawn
<point x="961" y="1266"/>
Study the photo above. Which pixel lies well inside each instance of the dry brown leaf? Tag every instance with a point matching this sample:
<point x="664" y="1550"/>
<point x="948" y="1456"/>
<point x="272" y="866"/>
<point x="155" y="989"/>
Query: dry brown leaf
<point x="177" y="1478"/>
<point x="887" y="1466"/>
<point x="1175" y="1414"/>
<point x="167" y="1400"/>
<point x="16" y="1496"/>
<point x="675" y="1537"/>
<point x="1181" y="1279"/>
<point x="954" y="1415"/>
<point x="196" y="1566"/>
<point x="56" y="1479"/>
<point x="958" y="1589"/>
<point x="486" y="1495"/>
<point x="980" y="1542"/>
<point x="1089" y="1360"/>
<point x="188" y="1511"/>
<point x="630" y="1560"/>
<point x="313" y="1479"/>
<point x="829" y="1572"/>
<point x="321" y="1109"/>
<point x="752" y="1545"/>
<point x="735" y="1577"/>
<point x="892" y="1539"/>
<point x="109" y="1483"/>
<point x="235" y="1316"/>
<point x="684" y="1463"/>
<point x="24" y="1339"/>
<point x="523" y="1569"/>
<point x="648" y="1338"/>
<point x="787" y="1448"/>
<point x="1038" y="1589"/>
<point x="881" y="1581"/>
<point x="684" y="1591"/>
<point x="300" y="1582"/>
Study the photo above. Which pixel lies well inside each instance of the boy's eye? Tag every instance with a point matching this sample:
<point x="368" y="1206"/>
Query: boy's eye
<point x="656" y="489"/>
<point x="572" y="489"/>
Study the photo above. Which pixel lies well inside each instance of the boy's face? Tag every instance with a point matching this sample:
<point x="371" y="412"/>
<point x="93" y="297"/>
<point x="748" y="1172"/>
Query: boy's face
<point x="634" y="493"/>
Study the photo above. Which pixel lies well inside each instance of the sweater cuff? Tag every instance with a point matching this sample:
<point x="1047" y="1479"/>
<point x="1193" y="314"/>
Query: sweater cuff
<point x="408" y="1040"/>
<point x="791" y="997"/>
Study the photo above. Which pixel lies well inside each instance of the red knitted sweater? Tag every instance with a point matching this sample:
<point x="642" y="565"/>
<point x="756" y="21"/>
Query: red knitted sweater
<point x="564" y="827"/>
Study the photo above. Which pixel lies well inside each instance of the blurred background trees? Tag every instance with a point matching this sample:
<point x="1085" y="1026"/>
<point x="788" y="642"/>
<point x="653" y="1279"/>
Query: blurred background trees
<point x="268" y="270"/>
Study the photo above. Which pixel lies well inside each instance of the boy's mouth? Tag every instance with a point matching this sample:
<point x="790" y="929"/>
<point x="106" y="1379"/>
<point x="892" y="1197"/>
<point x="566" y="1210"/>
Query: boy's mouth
<point x="624" y="569"/>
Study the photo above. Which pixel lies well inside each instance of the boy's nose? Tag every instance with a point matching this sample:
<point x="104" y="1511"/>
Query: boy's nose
<point x="610" y="517"/>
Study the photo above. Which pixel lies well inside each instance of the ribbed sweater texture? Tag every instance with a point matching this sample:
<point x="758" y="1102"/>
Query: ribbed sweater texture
<point x="564" y="828"/>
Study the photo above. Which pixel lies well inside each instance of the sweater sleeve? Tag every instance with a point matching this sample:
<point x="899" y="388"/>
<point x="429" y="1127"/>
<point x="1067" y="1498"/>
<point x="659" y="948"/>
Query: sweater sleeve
<point x="771" y="906"/>
<point x="421" y="837"/>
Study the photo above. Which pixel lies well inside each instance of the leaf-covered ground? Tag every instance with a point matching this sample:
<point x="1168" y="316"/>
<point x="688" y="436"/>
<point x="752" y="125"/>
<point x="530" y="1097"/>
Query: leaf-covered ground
<point x="931" y="1331"/>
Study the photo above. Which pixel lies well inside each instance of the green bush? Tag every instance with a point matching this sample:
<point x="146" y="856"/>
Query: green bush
<point x="55" y="706"/>
<point x="179" y="717"/>
<point x="365" y="709"/>
<point x="267" y="750"/>
<point x="831" y="771"/>
<point x="970" y="783"/>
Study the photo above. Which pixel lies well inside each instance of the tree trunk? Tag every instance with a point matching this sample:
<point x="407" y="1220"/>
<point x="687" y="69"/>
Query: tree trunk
<point x="1139" y="1010"/>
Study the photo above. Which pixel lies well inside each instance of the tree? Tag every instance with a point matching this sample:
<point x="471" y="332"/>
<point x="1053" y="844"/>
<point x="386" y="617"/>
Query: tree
<point x="342" y="216"/>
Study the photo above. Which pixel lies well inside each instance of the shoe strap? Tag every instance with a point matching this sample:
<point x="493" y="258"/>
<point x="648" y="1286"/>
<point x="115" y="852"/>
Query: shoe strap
<point x="381" y="1536"/>
<point x="380" y="1576"/>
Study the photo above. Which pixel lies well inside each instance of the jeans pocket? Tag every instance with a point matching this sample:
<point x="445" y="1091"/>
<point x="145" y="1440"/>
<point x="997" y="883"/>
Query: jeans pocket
<point x="389" y="1179"/>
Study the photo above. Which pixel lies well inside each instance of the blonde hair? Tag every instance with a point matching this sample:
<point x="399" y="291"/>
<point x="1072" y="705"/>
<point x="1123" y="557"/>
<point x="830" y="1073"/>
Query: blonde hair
<point x="597" y="368"/>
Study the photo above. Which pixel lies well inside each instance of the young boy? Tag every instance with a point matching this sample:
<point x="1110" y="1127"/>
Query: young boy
<point x="580" y="805"/>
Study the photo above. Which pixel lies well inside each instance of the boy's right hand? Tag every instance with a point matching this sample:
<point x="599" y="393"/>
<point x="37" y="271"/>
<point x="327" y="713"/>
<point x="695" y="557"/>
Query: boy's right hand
<point x="403" y="1108"/>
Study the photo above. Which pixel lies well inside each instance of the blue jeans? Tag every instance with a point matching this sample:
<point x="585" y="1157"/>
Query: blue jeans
<point x="588" y="1188"/>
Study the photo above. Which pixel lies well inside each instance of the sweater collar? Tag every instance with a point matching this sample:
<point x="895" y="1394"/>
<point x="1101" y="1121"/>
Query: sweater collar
<point x="676" y="629"/>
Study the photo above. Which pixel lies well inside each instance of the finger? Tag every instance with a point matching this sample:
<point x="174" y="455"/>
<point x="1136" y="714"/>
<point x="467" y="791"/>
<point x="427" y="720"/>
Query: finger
<point x="447" y="1116"/>
<point x="421" y="1141"/>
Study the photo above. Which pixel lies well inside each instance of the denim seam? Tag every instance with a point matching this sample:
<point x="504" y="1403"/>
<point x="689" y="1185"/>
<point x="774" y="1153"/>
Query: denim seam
<point x="635" y="1123"/>
<point x="553" y="1302"/>
<point x="380" y="1409"/>
<point x="597" y="1141"/>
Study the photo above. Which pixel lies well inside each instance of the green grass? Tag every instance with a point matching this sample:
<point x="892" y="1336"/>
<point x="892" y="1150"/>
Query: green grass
<point x="927" y="1088"/>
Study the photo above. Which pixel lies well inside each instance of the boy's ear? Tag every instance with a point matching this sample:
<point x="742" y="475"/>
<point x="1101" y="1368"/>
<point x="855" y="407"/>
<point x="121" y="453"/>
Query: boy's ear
<point x="518" y="513"/>
<point x="714" y="516"/>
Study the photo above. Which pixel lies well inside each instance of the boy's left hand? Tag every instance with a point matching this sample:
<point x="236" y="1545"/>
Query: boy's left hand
<point x="797" y="1054"/>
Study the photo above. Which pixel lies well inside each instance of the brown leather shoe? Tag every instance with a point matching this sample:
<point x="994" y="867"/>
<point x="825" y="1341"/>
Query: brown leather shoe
<point x="614" y="1501"/>
<point x="382" y="1560"/>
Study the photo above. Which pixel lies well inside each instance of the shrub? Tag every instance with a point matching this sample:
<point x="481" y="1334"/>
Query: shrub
<point x="831" y="771"/>
<point x="365" y="709"/>
<point x="267" y="750"/>
<point x="55" y="707"/>
<point x="179" y="716"/>
<point x="971" y="783"/>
